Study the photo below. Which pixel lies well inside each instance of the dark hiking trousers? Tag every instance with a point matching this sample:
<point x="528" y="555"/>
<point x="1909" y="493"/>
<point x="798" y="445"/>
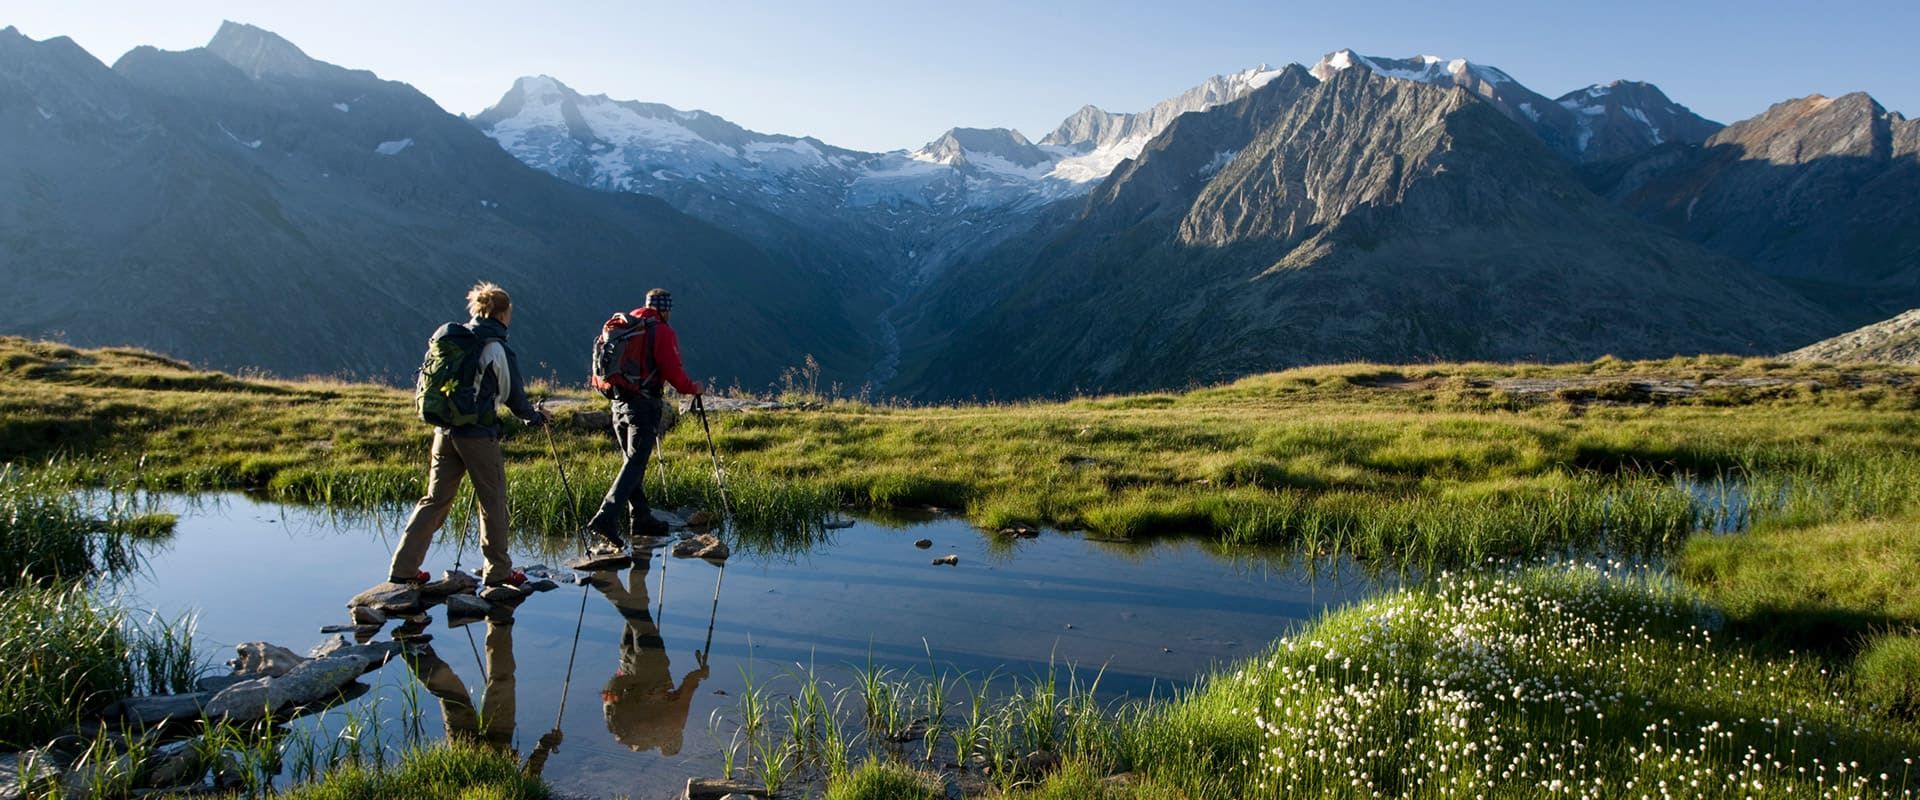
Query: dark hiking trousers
<point x="634" y="427"/>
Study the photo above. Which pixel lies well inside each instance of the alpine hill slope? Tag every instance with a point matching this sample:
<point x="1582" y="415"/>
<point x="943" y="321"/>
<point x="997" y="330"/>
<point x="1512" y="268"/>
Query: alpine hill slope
<point x="1823" y="193"/>
<point x="1892" y="341"/>
<point x="243" y="205"/>
<point x="1360" y="217"/>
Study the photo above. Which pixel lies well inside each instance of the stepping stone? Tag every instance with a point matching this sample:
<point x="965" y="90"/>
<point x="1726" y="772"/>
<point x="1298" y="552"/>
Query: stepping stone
<point x="467" y="605"/>
<point x="923" y="543"/>
<point x="149" y="711"/>
<point x="367" y="615"/>
<point x="595" y="562"/>
<point x="542" y="585"/>
<point x="254" y="659"/>
<point x="451" y="582"/>
<point x="716" y="788"/>
<point x="706" y="545"/>
<point x="392" y="598"/>
<point x="499" y="593"/>
<point x="950" y="560"/>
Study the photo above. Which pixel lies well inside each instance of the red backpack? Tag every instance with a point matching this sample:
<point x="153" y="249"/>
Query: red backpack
<point x="623" y="357"/>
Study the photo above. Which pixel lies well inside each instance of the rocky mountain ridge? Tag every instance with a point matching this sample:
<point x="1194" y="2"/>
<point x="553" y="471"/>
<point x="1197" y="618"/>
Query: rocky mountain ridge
<point x="1363" y="217"/>
<point x="242" y="205"/>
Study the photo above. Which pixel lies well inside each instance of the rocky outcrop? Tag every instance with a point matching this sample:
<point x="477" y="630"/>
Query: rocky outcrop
<point x="1894" y="341"/>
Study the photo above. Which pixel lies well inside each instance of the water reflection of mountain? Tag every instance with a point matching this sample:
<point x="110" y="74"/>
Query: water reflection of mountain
<point x="643" y="708"/>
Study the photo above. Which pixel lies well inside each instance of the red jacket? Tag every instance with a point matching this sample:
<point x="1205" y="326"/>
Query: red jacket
<point x="666" y="353"/>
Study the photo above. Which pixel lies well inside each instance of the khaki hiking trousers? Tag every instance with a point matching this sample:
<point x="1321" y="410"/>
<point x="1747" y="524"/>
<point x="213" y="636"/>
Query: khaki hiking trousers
<point x="479" y="459"/>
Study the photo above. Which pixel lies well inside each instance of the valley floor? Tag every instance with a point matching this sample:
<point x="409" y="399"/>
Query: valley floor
<point x="1778" y="656"/>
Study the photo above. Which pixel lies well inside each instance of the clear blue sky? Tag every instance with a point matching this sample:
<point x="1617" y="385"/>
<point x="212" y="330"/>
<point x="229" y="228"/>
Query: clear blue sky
<point x="884" y="75"/>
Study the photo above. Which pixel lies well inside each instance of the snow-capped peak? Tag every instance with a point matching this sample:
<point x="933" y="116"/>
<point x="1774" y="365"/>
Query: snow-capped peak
<point x="1429" y="69"/>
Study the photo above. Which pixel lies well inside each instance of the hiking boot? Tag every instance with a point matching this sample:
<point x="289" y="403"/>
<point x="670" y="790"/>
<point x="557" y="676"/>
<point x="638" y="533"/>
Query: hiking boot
<point x="513" y="579"/>
<point x="611" y="541"/>
<point x="419" y="578"/>
<point x="648" y="526"/>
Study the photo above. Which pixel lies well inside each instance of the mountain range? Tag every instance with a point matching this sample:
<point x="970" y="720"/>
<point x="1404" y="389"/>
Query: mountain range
<point x="243" y="205"/>
<point x="234" y="203"/>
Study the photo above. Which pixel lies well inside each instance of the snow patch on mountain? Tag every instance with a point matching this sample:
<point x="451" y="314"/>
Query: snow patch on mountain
<point x="394" y="147"/>
<point x="251" y="144"/>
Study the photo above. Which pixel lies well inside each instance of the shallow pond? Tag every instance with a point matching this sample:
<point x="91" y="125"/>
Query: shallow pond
<point x="636" y="714"/>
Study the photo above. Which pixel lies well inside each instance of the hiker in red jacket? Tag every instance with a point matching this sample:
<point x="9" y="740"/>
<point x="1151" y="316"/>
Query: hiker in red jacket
<point x="636" y="418"/>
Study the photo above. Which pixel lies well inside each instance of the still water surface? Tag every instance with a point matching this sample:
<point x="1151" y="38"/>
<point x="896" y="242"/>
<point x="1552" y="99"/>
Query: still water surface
<point x="657" y="654"/>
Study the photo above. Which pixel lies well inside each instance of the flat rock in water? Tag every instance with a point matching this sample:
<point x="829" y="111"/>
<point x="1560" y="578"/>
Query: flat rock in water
<point x="11" y="766"/>
<point x="923" y="543"/>
<point x="242" y="702"/>
<point x="949" y="560"/>
<point x="149" y="711"/>
<point x="600" y="559"/>
<point x="259" y="658"/>
<point x="392" y="598"/>
<point x="214" y="683"/>
<point x="671" y="519"/>
<point x="542" y="585"/>
<point x="467" y="605"/>
<point x="376" y="654"/>
<point x="339" y="628"/>
<point x="717" y="788"/>
<point x="650" y="542"/>
<point x="700" y="519"/>
<point x="451" y="582"/>
<point x="366" y="615"/>
<point x="502" y="593"/>
<point x="174" y="764"/>
<point x="315" y="681"/>
<point x="705" y="545"/>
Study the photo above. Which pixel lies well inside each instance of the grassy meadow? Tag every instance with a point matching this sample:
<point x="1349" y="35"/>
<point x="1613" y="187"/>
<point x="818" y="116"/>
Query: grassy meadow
<point x="1775" y="652"/>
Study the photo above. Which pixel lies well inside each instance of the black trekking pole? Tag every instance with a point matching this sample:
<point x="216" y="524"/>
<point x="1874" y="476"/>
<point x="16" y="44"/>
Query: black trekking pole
<point x="700" y="407"/>
<point x="714" y="612"/>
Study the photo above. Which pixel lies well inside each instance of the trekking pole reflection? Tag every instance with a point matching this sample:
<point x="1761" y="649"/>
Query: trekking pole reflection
<point x="491" y="722"/>
<point x="643" y="707"/>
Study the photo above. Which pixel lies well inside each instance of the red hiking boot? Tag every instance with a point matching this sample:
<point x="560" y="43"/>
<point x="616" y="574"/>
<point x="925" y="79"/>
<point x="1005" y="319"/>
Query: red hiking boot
<point x="420" y="577"/>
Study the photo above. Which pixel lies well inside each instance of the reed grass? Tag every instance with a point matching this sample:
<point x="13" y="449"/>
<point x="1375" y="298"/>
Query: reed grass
<point x="68" y="659"/>
<point x="46" y="537"/>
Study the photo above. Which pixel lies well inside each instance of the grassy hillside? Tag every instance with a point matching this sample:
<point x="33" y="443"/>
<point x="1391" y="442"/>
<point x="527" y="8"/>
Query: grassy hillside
<point x="1440" y="463"/>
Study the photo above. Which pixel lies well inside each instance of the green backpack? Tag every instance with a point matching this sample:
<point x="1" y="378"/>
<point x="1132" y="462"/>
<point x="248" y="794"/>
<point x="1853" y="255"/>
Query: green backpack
<point x="446" y="393"/>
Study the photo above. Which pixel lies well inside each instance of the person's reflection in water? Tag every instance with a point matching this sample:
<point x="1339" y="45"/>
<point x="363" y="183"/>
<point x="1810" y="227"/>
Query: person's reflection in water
<point x="491" y="723"/>
<point x="644" y="710"/>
